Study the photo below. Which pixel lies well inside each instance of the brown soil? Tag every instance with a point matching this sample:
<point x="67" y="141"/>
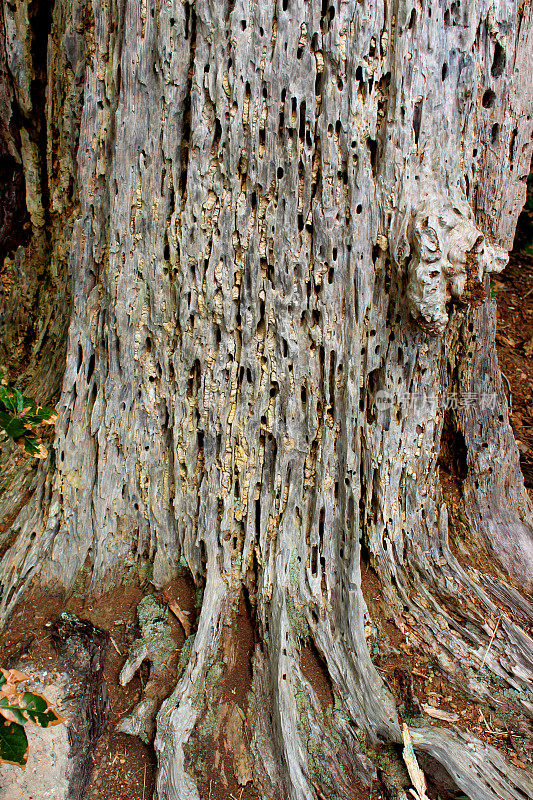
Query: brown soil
<point x="314" y="670"/>
<point x="514" y="339"/>
<point x="123" y="765"/>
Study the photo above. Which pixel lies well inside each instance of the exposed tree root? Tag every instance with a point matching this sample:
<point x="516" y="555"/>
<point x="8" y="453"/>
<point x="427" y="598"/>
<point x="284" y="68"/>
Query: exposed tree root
<point x="180" y="713"/>
<point x="157" y="646"/>
<point x="477" y="768"/>
<point x="323" y="752"/>
<point x="316" y="748"/>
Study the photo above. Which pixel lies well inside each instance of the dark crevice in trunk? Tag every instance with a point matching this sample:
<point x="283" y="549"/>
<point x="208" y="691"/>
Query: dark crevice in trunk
<point x="453" y="452"/>
<point x="522" y="249"/>
<point x="14" y="218"/>
<point x="41" y="21"/>
<point x="440" y="782"/>
<point x="316" y="672"/>
<point x="190" y="33"/>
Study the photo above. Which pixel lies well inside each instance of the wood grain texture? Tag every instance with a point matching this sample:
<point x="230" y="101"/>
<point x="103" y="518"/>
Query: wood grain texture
<point x="281" y="217"/>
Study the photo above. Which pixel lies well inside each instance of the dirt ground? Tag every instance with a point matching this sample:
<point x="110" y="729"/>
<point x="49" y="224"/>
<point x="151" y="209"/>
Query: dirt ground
<point x="514" y="339"/>
<point x="125" y="767"/>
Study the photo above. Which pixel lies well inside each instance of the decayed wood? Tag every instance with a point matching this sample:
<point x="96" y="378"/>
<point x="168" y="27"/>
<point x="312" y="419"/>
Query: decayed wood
<point x="280" y="219"/>
<point x="415" y="773"/>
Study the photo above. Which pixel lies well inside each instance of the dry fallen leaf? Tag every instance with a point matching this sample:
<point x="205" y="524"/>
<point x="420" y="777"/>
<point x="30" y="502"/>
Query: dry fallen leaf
<point x="13" y="677"/>
<point x="235" y="743"/>
<point x="42" y="452"/>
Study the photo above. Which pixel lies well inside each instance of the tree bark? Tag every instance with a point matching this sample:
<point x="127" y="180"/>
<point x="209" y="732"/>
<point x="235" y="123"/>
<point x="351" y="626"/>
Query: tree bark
<point x="276" y="223"/>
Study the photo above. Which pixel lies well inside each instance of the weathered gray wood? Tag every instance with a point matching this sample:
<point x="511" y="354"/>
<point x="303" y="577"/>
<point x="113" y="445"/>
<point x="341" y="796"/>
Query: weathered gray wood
<point x="280" y="217"/>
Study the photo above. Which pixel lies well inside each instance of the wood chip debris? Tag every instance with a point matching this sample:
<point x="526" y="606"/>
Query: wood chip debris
<point x="180" y="615"/>
<point x="415" y="773"/>
<point x="439" y="713"/>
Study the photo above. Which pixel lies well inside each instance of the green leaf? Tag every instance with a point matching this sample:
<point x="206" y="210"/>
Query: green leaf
<point x="10" y="402"/>
<point x="45" y="412"/>
<point x="34" y="708"/>
<point x="19" y="400"/>
<point x="29" y="419"/>
<point x="15" y="428"/>
<point x="13" y="709"/>
<point x="38" y="711"/>
<point x="13" y="743"/>
<point x="30" y="445"/>
<point x="19" y="414"/>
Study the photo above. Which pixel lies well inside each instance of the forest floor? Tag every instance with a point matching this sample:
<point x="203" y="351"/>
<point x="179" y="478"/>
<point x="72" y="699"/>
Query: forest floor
<point x="514" y="339"/>
<point x="122" y="766"/>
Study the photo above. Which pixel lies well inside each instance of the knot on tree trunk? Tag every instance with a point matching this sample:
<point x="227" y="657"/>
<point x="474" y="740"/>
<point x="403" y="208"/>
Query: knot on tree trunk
<point x="449" y="258"/>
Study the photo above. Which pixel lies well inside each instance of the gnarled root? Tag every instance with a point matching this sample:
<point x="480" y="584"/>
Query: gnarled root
<point x="180" y="713"/>
<point x="477" y="768"/>
<point x="312" y="733"/>
<point x="310" y="748"/>
<point x="157" y="646"/>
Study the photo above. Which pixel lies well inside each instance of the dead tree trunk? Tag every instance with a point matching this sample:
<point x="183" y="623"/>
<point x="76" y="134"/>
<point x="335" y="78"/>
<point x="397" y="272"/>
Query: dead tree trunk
<point x="279" y="221"/>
